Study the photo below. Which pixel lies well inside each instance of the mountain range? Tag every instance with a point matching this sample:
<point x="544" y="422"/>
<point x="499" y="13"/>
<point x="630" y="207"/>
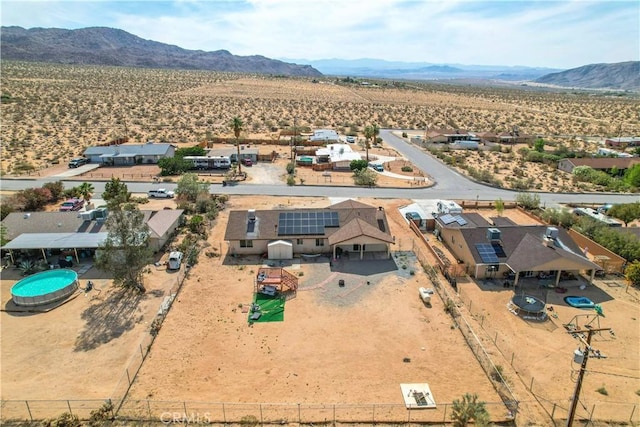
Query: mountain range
<point x="622" y="75"/>
<point x="114" y="47"/>
<point x="109" y="46"/>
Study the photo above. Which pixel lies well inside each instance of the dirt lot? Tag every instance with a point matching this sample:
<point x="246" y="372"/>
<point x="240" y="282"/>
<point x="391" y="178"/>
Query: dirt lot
<point x="78" y="350"/>
<point x="333" y="344"/>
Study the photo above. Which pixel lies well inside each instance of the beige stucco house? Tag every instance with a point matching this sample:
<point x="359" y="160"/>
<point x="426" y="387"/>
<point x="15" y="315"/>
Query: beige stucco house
<point x="346" y="229"/>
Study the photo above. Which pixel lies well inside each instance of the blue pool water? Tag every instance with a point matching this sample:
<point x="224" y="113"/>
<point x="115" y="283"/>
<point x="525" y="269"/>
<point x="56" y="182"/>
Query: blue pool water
<point x="45" y="287"/>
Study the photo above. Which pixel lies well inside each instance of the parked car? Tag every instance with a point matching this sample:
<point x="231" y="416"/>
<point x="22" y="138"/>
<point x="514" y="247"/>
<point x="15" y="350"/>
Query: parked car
<point x="74" y="204"/>
<point x="351" y="139"/>
<point x="78" y="161"/>
<point x="247" y="161"/>
<point x="376" y="167"/>
<point x="161" y="193"/>
<point x="175" y="260"/>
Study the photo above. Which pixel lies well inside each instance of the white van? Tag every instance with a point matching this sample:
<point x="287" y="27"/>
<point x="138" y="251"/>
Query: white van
<point x="175" y="260"/>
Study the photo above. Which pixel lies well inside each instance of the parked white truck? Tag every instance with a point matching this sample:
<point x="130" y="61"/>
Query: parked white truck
<point x="161" y="193"/>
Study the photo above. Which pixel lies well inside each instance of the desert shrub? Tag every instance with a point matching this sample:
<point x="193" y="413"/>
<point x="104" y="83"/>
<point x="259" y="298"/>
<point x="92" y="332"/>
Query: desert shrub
<point x="291" y="167"/>
<point x="64" y="420"/>
<point x="56" y="189"/>
<point x="357" y="165"/>
<point x="406" y="169"/>
<point x="33" y="199"/>
<point x="291" y="180"/>
<point x="365" y="177"/>
<point x="528" y="201"/>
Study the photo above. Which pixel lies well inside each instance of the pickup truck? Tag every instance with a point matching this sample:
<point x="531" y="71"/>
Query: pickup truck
<point x="77" y="162"/>
<point x="161" y="193"/>
<point x="72" y="205"/>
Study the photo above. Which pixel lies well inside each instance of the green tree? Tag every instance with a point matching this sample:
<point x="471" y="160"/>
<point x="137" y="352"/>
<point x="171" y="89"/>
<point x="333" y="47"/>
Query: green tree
<point x="528" y="201"/>
<point x="3" y="235"/>
<point x="86" y="191"/>
<point x="196" y="150"/>
<point x="365" y="177"/>
<point x="467" y="409"/>
<point x="632" y="175"/>
<point x="627" y="212"/>
<point x="190" y="187"/>
<point x="173" y="165"/>
<point x="116" y="193"/>
<point x="56" y="189"/>
<point x="358" y="165"/>
<point x="538" y="145"/>
<point x="125" y="253"/>
<point x="632" y="273"/>
<point x="236" y="125"/>
<point x="499" y="206"/>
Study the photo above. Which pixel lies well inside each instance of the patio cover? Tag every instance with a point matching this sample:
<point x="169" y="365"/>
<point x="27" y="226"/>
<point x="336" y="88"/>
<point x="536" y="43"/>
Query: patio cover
<point x="56" y="241"/>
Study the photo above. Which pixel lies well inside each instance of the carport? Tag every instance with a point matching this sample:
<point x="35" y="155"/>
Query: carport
<point x="44" y="241"/>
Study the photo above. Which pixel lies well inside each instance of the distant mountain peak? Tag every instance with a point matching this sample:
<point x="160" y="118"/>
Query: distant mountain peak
<point x="115" y="47"/>
<point x="619" y="76"/>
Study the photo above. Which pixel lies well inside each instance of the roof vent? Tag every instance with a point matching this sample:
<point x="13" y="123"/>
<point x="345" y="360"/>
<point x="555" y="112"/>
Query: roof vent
<point x="493" y="234"/>
<point x="27" y="216"/>
<point x="551" y="233"/>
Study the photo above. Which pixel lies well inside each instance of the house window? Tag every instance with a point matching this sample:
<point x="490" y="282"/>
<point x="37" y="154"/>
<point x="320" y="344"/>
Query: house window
<point x="300" y="241"/>
<point x="319" y="242"/>
<point x="246" y="243"/>
<point x="356" y="247"/>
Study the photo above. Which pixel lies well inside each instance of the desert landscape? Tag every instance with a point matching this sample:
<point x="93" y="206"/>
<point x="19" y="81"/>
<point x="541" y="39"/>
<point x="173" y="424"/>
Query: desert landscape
<point x="52" y="113"/>
<point x="349" y="348"/>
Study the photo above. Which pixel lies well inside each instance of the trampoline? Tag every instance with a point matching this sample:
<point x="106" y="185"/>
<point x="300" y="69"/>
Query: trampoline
<point x="529" y="306"/>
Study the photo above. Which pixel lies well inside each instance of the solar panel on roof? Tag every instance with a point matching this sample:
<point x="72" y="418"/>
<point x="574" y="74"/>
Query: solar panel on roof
<point x="499" y="250"/>
<point x="306" y="223"/>
<point x="487" y="253"/>
<point x="460" y="220"/>
<point x="447" y="219"/>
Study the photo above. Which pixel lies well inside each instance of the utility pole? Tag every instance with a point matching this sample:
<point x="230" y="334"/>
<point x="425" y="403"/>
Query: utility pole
<point x="583" y="368"/>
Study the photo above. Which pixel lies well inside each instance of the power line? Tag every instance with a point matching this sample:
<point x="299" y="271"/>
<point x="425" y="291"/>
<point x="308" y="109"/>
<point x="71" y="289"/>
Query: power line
<point x="613" y="375"/>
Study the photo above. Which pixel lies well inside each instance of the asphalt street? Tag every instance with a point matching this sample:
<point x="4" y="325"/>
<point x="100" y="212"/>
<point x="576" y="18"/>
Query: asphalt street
<point x="449" y="185"/>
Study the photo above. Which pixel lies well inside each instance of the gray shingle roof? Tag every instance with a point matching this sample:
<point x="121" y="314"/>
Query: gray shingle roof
<point x="155" y="149"/>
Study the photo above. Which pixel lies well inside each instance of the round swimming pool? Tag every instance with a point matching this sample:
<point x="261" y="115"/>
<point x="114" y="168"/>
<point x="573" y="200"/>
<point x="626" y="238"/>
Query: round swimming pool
<point x="46" y="287"/>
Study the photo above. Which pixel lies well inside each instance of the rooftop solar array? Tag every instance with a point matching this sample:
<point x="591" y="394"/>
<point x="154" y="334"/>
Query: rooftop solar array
<point x="447" y="219"/>
<point x="305" y="223"/>
<point x="460" y="220"/>
<point x="499" y="250"/>
<point x="487" y="253"/>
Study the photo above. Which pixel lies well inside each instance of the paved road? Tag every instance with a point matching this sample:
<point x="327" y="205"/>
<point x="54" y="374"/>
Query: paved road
<point x="450" y="185"/>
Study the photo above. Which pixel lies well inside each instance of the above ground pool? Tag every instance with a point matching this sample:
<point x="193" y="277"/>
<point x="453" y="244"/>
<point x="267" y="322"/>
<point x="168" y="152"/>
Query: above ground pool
<point x="44" y="288"/>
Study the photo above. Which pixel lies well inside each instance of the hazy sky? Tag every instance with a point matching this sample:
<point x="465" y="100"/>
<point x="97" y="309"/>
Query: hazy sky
<point x="558" y="34"/>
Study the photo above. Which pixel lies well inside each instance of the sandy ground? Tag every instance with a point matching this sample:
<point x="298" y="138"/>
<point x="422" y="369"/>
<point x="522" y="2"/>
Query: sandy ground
<point x="78" y="350"/>
<point x="333" y="344"/>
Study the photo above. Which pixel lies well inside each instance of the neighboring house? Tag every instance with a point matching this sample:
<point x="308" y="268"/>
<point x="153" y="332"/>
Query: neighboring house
<point x="598" y="163"/>
<point x="82" y="232"/>
<point x="515" y="138"/>
<point x="129" y="154"/>
<point x="339" y="155"/>
<point x="623" y="141"/>
<point x="490" y="250"/>
<point x="446" y="136"/>
<point x="347" y="228"/>
<point x="246" y="152"/>
<point x="326" y="135"/>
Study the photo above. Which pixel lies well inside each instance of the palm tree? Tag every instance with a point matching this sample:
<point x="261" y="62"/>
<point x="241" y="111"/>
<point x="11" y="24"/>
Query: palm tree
<point x="368" y="133"/>
<point x="236" y="125"/>
<point x="86" y="191"/>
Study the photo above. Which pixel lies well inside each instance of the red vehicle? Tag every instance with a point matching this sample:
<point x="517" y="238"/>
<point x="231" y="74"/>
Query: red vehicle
<point x="247" y="161"/>
<point x="72" y="205"/>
